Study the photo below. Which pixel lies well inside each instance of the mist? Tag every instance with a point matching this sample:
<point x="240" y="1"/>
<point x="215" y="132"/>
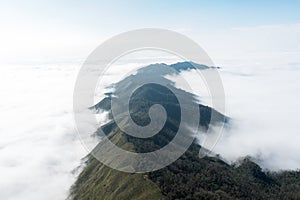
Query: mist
<point x="263" y="105"/>
<point x="39" y="148"/>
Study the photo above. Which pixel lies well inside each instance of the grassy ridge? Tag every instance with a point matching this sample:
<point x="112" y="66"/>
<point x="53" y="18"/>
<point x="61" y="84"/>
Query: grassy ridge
<point x="99" y="182"/>
<point x="188" y="178"/>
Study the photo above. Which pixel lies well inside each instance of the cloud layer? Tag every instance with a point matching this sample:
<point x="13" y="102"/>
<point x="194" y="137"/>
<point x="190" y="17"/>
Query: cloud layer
<point x="264" y="105"/>
<point x="39" y="146"/>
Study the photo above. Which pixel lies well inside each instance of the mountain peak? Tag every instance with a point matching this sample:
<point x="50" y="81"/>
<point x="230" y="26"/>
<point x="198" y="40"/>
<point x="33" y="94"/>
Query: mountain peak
<point x="189" y="177"/>
<point x="164" y="69"/>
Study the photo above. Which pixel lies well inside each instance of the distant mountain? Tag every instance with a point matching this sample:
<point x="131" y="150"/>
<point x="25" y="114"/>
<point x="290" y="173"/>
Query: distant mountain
<point x="190" y="177"/>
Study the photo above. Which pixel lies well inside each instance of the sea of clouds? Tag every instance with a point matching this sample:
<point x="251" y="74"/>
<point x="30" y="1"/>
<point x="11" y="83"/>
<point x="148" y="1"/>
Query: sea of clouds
<point x="41" y="151"/>
<point x="263" y="104"/>
<point x="39" y="147"/>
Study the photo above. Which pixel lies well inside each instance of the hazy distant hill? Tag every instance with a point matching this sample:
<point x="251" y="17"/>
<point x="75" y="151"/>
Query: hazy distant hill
<point x="189" y="177"/>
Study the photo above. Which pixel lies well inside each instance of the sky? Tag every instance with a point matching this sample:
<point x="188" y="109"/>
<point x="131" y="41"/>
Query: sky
<point x="66" y="30"/>
<point x="42" y="47"/>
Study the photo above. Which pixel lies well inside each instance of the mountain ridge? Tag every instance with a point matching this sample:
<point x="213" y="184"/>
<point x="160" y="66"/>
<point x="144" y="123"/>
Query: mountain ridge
<point x="189" y="177"/>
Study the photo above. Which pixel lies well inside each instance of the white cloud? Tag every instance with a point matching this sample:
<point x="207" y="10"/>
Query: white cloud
<point x="264" y="107"/>
<point x="260" y="73"/>
<point x="39" y="145"/>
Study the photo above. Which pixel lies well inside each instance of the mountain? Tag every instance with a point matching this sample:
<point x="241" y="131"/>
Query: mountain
<point x="189" y="177"/>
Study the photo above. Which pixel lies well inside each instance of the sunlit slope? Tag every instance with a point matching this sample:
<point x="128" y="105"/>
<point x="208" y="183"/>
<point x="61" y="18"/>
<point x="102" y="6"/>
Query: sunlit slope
<point x="190" y="177"/>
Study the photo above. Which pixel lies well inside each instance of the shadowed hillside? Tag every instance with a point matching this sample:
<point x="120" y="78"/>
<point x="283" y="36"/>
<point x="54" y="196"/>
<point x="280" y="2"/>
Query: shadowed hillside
<point x="190" y="177"/>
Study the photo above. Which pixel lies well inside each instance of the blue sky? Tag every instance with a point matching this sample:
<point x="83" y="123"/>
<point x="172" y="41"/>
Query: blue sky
<point x="116" y="15"/>
<point x="82" y="25"/>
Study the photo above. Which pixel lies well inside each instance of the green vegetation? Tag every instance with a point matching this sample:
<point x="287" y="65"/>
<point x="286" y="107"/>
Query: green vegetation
<point x="189" y="177"/>
<point x="98" y="181"/>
